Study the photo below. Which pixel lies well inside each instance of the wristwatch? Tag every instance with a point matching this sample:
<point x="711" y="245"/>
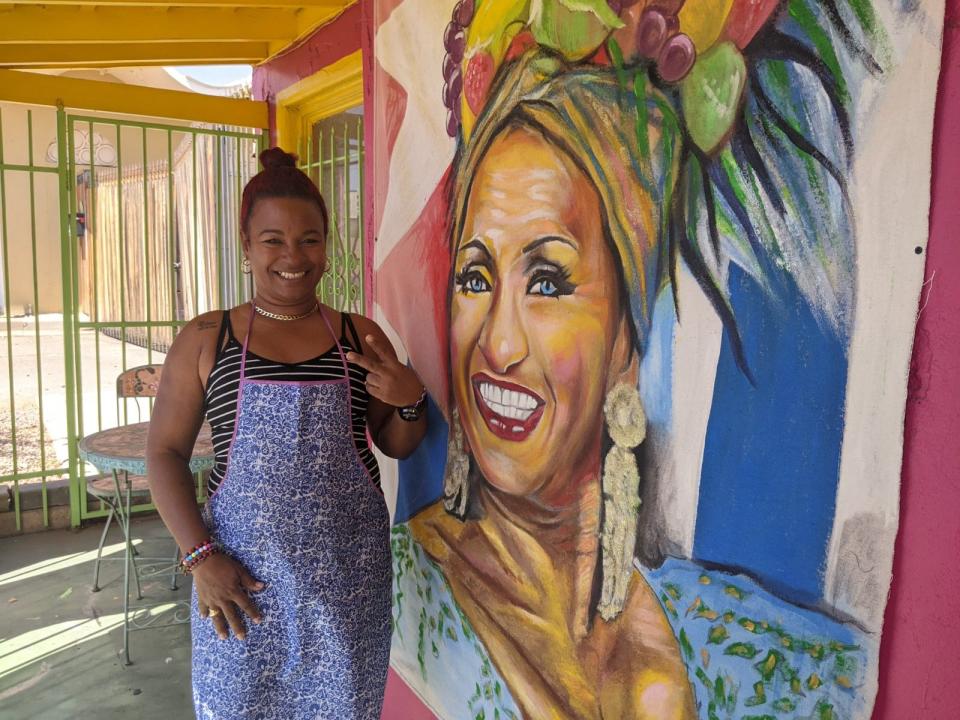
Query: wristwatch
<point x="412" y="413"/>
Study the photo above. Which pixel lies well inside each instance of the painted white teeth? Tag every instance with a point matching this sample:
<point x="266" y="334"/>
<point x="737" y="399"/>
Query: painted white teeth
<point x="511" y="404"/>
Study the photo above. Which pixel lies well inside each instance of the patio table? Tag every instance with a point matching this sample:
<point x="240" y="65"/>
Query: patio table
<point x="122" y="452"/>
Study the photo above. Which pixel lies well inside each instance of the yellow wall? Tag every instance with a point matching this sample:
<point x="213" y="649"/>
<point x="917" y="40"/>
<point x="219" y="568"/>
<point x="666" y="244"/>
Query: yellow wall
<point x="18" y="215"/>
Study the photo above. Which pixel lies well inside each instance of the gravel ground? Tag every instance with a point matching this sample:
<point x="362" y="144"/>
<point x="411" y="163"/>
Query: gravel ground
<point x="28" y="441"/>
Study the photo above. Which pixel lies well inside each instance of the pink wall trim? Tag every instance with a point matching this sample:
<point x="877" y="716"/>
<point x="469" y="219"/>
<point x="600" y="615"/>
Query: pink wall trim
<point x="921" y="640"/>
<point x="369" y="130"/>
<point x="401" y="704"/>
<point x="328" y="44"/>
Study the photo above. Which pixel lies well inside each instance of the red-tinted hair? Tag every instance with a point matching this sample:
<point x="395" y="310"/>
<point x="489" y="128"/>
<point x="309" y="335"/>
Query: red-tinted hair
<point x="280" y="178"/>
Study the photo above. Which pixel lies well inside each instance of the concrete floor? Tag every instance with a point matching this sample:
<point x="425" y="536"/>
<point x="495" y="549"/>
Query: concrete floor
<point x="61" y="644"/>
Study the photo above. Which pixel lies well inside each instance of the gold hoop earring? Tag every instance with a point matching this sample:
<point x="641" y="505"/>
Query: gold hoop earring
<point x="627" y="427"/>
<point x="245" y="266"/>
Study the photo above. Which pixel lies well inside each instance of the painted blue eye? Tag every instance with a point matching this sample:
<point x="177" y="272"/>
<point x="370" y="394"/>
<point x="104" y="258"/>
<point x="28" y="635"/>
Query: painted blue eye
<point x="545" y="287"/>
<point x="475" y="284"/>
<point x="471" y="282"/>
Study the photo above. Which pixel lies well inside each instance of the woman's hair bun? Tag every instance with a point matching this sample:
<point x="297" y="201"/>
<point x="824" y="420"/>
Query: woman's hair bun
<point x="276" y="158"/>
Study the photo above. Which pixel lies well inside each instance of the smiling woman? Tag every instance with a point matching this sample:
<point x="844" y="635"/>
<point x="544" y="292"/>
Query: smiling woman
<point x="291" y="553"/>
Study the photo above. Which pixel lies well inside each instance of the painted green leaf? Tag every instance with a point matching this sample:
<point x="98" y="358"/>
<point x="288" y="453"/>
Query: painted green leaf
<point x="710" y="96"/>
<point x="740" y="649"/>
<point x="784" y="705"/>
<point x="734" y="592"/>
<point x="685" y="645"/>
<point x="759" y="695"/>
<point x="719" y="692"/>
<point x="842" y="647"/>
<point x="668" y="604"/>
<point x="768" y="665"/>
<point x="824" y="711"/>
<point x="717" y="634"/>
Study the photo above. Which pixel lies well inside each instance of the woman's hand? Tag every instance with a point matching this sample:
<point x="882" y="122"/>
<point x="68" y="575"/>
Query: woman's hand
<point x="222" y="587"/>
<point x="387" y="379"/>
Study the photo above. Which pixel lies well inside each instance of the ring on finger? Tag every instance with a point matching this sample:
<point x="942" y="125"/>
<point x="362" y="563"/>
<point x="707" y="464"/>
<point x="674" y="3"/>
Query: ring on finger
<point x="212" y="612"/>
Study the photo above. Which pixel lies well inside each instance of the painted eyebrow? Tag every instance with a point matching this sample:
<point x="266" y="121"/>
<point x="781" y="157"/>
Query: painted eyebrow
<point x="548" y="239"/>
<point x="477" y="245"/>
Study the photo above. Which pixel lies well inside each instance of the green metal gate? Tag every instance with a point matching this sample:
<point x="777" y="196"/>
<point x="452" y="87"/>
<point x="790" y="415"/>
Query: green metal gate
<point x="152" y="240"/>
<point x="29" y="250"/>
<point x="333" y="153"/>
<point x="148" y="238"/>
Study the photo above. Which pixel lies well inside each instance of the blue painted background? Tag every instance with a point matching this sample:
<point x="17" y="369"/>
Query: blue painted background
<point x="772" y="453"/>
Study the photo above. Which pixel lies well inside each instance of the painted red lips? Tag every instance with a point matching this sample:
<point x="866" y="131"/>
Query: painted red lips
<point x="510" y="411"/>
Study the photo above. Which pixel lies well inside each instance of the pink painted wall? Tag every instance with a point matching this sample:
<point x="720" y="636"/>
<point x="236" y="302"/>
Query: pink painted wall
<point x="330" y="43"/>
<point x="921" y="643"/>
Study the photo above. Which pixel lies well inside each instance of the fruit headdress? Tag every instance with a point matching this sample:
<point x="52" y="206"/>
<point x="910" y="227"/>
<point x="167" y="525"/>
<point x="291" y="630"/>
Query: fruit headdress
<point x="740" y="109"/>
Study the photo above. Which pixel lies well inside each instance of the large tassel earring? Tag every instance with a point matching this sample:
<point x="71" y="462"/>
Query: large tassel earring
<point x="627" y="427"/>
<point x="456" y="485"/>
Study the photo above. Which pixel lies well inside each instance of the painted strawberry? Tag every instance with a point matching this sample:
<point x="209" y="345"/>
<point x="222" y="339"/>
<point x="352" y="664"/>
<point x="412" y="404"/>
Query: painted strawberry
<point x="477" y="80"/>
<point x="745" y="20"/>
<point x="519" y="45"/>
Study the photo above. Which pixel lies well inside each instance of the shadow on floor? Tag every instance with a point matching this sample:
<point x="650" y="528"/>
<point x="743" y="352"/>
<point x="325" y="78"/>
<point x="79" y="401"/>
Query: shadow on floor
<point x="61" y="644"/>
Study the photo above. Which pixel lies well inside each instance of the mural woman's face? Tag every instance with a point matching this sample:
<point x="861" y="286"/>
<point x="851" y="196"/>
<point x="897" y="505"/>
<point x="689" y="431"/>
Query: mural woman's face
<point x="536" y="328"/>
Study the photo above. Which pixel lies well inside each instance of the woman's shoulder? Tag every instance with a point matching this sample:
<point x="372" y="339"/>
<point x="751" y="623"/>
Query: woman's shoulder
<point x="198" y="335"/>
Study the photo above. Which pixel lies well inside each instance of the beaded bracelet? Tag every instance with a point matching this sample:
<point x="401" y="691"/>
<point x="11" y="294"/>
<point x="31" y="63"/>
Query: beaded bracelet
<point x="198" y="554"/>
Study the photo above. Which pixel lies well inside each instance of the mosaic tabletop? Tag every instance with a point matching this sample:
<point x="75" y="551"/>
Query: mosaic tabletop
<point x="125" y="448"/>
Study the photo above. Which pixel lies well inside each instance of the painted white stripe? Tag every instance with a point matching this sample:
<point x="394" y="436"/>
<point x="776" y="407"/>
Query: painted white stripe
<point x="891" y="217"/>
<point x="422" y="141"/>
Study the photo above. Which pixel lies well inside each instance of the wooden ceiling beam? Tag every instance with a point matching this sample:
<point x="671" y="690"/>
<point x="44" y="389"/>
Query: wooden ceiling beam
<point x="36" y="89"/>
<point x="52" y="25"/>
<point x="122" y="55"/>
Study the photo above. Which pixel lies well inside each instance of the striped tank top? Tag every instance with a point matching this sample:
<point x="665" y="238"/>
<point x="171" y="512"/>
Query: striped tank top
<point x="223" y="385"/>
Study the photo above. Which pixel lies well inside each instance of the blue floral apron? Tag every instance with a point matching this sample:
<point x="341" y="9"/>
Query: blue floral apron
<point x="298" y="508"/>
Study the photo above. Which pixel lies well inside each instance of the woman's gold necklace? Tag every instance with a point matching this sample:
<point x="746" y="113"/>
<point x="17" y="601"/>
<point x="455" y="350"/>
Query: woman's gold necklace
<point x="287" y="318"/>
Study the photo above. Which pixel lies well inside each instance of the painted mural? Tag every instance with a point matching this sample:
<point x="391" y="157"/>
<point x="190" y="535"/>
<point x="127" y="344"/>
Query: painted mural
<point x="658" y="264"/>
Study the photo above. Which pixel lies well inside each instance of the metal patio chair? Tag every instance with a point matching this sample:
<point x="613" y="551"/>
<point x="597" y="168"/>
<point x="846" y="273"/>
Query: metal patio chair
<point x="138" y="382"/>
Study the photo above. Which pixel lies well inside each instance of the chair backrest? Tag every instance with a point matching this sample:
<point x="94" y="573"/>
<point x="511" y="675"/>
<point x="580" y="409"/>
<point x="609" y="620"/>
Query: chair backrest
<point x="138" y="382"/>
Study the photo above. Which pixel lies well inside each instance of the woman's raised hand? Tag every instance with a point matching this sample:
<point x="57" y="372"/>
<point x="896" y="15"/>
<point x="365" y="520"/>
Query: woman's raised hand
<point x="387" y="378"/>
<point x="223" y="586"/>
